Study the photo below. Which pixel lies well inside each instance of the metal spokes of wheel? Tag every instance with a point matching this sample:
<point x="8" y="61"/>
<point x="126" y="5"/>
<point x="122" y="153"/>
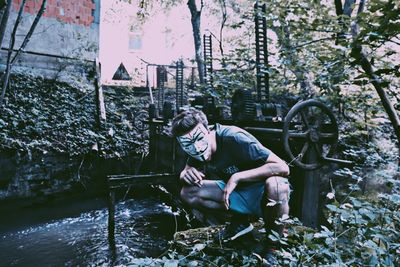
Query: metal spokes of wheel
<point x="310" y="134"/>
<point x="139" y="121"/>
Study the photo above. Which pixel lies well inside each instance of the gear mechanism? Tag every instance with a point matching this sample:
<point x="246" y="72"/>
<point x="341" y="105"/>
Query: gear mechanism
<point x="243" y="106"/>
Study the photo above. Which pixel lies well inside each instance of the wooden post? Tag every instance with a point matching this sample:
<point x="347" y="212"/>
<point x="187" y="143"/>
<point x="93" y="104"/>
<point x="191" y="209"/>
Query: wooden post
<point x="310" y="206"/>
<point x="100" y="107"/>
<point x="100" y="121"/>
<point x="173" y="154"/>
<point x="111" y="217"/>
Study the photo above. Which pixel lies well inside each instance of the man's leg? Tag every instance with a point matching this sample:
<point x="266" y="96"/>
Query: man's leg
<point x="277" y="204"/>
<point x="207" y="197"/>
<point x="277" y="193"/>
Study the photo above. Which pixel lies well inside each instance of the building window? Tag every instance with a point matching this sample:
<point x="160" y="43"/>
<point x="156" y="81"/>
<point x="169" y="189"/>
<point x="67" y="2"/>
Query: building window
<point x="135" y="42"/>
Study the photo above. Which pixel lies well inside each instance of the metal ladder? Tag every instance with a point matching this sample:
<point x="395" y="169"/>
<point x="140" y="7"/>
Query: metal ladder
<point x="179" y="85"/>
<point x="161" y="72"/>
<point x="207" y="44"/>
<point x="261" y="53"/>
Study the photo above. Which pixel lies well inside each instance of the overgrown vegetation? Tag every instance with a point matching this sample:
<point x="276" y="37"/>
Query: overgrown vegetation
<point x="362" y="230"/>
<point x="49" y="116"/>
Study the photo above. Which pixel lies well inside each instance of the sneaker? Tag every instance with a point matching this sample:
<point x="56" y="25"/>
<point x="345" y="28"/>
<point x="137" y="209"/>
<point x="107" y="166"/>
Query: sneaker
<point x="234" y="230"/>
<point x="270" y="258"/>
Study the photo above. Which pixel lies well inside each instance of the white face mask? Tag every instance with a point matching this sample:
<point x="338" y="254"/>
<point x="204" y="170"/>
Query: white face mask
<point x="196" y="143"/>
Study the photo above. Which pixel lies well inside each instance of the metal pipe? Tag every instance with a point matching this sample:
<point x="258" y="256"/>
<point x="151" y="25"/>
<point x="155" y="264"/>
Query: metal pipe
<point x="47" y="55"/>
<point x="111" y="217"/>
<point x="264" y="130"/>
<point x="338" y="161"/>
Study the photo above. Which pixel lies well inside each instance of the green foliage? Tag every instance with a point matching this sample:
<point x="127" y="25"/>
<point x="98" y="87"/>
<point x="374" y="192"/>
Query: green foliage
<point x="197" y="257"/>
<point x="48" y="116"/>
<point x="362" y="232"/>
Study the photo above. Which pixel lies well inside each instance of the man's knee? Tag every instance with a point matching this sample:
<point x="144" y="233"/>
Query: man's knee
<point x="277" y="188"/>
<point x="189" y="195"/>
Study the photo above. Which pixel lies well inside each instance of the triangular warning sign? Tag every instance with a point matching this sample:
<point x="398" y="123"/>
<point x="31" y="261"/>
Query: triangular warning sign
<point x="121" y="74"/>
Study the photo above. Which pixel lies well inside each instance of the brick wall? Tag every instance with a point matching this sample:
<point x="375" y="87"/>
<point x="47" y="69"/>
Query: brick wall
<point x="68" y="11"/>
<point x="65" y="39"/>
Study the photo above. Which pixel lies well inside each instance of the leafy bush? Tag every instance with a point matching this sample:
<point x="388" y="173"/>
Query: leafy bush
<point x="48" y="116"/>
<point x="362" y="231"/>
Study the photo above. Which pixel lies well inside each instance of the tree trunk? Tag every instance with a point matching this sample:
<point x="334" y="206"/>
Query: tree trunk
<point x="348" y="7"/>
<point x="198" y="47"/>
<point x="361" y="59"/>
<point x="10" y="61"/>
<point x="4" y="20"/>
<point x="221" y="29"/>
<point x="30" y="32"/>
<point x="6" y="75"/>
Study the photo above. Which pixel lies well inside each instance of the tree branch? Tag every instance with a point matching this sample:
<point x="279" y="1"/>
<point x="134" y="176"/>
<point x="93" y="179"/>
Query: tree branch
<point x="196" y="22"/>
<point x="4" y="20"/>
<point x="359" y="55"/>
<point x="30" y="32"/>
<point x="6" y="75"/>
<point x="313" y="41"/>
<point x="339" y="7"/>
<point x="361" y="7"/>
<point x="224" y="18"/>
<point x="348" y="7"/>
<point x="318" y="30"/>
<point x="393" y="42"/>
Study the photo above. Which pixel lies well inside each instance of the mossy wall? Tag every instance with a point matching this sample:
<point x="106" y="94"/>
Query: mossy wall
<point x="47" y="136"/>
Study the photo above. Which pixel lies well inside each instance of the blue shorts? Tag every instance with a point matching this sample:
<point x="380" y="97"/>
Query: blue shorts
<point x="246" y="198"/>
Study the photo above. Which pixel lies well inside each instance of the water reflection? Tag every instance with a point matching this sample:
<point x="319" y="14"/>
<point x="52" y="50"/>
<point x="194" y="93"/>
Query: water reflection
<point x="143" y="228"/>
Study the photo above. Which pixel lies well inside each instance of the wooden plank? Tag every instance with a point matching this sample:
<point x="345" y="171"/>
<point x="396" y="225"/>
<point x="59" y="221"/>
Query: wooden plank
<point x="116" y="181"/>
<point x="272" y="131"/>
<point x="111" y="218"/>
<point x="100" y="106"/>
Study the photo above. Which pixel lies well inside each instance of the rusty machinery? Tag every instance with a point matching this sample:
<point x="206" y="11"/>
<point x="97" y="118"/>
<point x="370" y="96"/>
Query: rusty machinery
<point x="309" y="126"/>
<point x="160" y="114"/>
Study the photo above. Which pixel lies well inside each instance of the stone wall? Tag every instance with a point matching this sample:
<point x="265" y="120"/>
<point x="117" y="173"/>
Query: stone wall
<point x="26" y="176"/>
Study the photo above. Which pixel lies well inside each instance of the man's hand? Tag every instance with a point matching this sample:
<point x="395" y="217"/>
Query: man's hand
<point x="192" y="176"/>
<point x="229" y="187"/>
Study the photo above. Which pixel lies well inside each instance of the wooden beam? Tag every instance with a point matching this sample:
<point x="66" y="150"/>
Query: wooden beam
<point x="111" y="218"/>
<point x="116" y="181"/>
<point x="310" y="207"/>
<point x="100" y="106"/>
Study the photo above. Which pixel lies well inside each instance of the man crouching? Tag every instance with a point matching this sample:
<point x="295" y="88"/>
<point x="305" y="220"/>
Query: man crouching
<point x="248" y="175"/>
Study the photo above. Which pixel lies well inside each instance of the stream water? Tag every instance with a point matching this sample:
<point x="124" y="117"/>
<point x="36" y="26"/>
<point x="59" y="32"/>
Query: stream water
<point x="143" y="228"/>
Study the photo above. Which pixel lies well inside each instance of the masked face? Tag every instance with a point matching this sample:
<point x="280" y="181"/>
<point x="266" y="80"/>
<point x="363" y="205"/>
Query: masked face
<point x="196" y="143"/>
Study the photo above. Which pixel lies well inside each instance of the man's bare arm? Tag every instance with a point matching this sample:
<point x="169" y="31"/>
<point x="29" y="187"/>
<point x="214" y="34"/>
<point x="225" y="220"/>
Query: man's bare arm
<point x="274" y="166"/>
<point x="191" y="176"/>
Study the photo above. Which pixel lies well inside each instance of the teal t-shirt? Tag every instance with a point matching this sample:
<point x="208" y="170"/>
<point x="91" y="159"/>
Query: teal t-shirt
<point x="237" y="150"/>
